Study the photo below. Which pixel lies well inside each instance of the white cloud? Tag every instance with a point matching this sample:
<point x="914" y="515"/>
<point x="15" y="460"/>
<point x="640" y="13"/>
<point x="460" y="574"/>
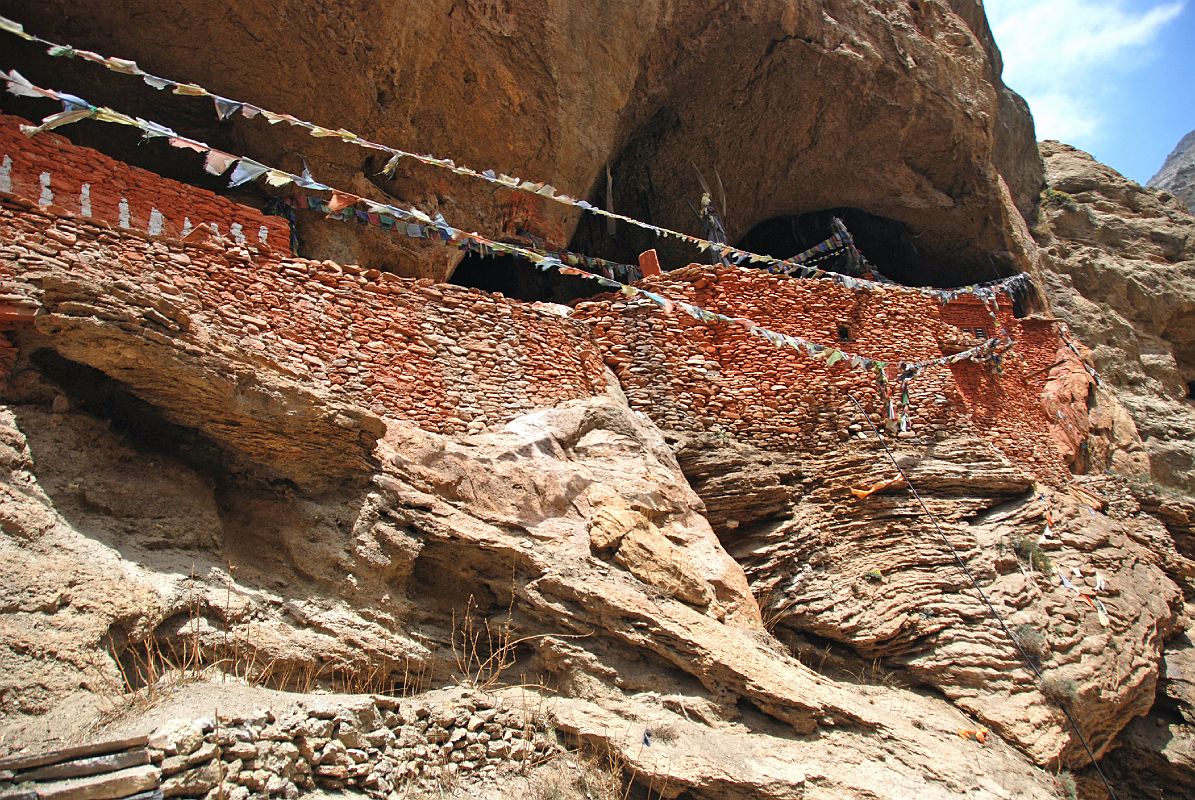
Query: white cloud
<point x="1066" y="56"/>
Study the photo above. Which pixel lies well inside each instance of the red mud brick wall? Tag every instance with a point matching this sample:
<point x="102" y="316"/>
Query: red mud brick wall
<point x="690" y="376"/>
<point x="446" y="358"/>
<point x="48" y="170"/>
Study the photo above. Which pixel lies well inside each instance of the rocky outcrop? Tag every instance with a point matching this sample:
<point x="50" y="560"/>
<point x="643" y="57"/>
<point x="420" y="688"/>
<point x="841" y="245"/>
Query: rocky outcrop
<point x="1120" y="263"/>
<point x="806" y="107"/>
<point x="872" y="579"/>
<point x="1177" y="175"/>
<point x="562" y="548"/>
<point x="497" y="529"/>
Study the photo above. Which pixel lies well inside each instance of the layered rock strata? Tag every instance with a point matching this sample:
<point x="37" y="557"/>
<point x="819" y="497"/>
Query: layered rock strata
<point x="1177" y="175"/>
<point x="1120" y="262"/>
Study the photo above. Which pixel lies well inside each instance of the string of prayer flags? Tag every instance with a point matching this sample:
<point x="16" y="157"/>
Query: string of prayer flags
<point x="1049" y="530"/>
<point x="1094" y="603"/>
<point x="416" y="224"/>
<point x="798" y="265"/>
<point x="879" y="486"/>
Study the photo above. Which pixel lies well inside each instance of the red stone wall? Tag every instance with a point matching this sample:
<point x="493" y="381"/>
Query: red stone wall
<point x="443" y="357"/>
<point x="451" y="359"/>
<point x="51" y="172"/>
<point x="446" y="358"/>
<point x="690" y="376"/>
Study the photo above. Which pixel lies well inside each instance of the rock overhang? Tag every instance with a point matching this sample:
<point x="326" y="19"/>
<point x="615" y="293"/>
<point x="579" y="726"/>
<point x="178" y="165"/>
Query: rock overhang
<point x="797" y="111"/>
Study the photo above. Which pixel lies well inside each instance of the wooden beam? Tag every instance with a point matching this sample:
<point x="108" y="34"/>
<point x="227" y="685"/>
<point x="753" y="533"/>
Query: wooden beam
<point x="95" y="765"/>
<point x="67" y="753"/>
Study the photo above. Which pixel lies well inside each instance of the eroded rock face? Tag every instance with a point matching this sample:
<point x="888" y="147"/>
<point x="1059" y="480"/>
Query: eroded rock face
<point x="873" y="576"/>
<point x="1120" y="263"/>
<point x="1177" y="174"/>
<point x="892" y="108"/>
<point x="494" y="526"/>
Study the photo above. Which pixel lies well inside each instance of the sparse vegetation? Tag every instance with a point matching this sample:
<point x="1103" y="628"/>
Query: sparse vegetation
<point x="194" y="649"/>
<point x="1058" y="199"/>
<point x="771" y="610"/>
<point x="1028" y="549"/>
<point x="1066" y="782"/>
<point x="875" y="576"/>
<point x="483" y="650"/>
<point x="594" y="777"/>
<point x="1059" y="691"/>
<point x="665" y="734"/>
<point x="1031" y="640"/>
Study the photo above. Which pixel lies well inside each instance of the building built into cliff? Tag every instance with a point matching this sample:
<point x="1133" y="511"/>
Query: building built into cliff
<point x="453" y="359"/>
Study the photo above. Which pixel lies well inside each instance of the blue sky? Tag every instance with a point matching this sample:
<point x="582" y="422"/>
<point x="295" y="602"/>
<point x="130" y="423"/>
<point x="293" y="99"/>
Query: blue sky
<point x="1113" y="77"/>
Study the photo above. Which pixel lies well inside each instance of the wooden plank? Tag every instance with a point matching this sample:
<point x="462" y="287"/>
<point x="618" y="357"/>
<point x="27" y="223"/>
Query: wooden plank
<point x="65" y="753"/>
<point x="95" y="765"/>
<point x="110" y="786"/>
<point x="18" y="793"/>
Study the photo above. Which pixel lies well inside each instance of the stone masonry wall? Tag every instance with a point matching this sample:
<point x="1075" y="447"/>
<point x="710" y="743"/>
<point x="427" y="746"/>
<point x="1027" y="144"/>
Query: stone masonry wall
<point x="447" y="358"/>
<point x="48" y="170"/>
<point x="377" y="746"/>
<point x="453" y="360"/>
<point x="690" y="376"/>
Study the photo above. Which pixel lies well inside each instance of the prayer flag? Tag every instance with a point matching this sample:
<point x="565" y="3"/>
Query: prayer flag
<point x="217" y="163"/>
<point x="247" y="170"/>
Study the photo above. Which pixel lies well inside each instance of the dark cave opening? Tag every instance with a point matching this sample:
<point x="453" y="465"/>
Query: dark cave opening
<point x="521" y="280"/>
<point x="889" y="245"/>
<point x="95" y="393"/>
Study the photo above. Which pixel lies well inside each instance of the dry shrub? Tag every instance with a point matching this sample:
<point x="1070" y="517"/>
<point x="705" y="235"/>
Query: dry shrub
<point x="1060" y="691"/>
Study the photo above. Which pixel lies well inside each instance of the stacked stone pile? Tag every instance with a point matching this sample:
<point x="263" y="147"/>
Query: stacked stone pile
<point x="372" y="745"/>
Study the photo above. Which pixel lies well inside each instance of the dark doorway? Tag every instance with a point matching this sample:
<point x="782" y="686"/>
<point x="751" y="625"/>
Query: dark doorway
<point x="886" y="243"/>
<point x="521" y="280"/>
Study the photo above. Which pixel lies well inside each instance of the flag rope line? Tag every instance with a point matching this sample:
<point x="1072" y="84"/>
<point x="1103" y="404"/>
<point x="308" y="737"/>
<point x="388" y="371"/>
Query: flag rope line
<point x="76" y="109"/>
<point x="962" y="565"/>
<point x="308" y="203"/>
<point x="226" y="108"/>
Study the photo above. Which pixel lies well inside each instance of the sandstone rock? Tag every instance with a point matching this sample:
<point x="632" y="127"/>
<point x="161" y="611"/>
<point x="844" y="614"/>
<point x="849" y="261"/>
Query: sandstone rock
<point x="1177" y="175"/>
<point x="177" y="737"/>
<point x="1120" y="263"/>
<point x="205" y="752"/>
<point x="121" y="783"/>
<point x="875" y="577"/>
<point x="193" y="782"/>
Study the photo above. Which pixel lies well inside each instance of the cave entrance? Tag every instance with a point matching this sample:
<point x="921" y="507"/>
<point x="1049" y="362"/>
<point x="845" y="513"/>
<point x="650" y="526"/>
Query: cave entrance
<point x="521" y="280"/>
<point x="888" y="244"/>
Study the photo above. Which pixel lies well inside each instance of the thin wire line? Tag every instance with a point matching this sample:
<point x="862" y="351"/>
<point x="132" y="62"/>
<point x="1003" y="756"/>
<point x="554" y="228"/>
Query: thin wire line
<point x="962" y="565"/>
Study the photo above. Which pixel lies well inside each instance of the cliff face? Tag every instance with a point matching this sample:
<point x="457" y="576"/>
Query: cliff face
<point x="1177" y="174"/>
<point x="193" y="478"/>
<point x="891" y="108"/>
<point x="1120" y="261"/>
<point x="218" y="458"/>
